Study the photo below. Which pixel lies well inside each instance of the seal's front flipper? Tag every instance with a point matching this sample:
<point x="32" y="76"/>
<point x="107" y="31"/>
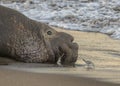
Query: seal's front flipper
<point x="6" y="61"/>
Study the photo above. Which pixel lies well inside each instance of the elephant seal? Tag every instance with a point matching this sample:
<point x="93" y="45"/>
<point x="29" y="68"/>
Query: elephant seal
<point x="26" y="40"/>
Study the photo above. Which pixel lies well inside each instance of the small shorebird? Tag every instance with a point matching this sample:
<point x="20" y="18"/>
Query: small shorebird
<point x="89" y="64"/>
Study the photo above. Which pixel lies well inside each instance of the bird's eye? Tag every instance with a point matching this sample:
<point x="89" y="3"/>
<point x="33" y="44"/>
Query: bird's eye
<point x="49" y="33"/>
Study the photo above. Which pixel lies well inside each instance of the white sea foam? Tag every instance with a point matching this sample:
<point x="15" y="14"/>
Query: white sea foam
<point x="101" y="16"/>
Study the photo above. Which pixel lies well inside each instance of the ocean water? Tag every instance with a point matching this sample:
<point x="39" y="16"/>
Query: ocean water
<point x="99" y="16"/>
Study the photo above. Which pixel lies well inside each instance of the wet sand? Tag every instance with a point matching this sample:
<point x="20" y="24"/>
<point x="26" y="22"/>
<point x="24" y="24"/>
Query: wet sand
<point x="103" y="51"/>
<point x="18" y="78"/>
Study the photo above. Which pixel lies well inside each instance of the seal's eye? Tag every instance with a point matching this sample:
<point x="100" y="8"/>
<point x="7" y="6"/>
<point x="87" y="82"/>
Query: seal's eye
<point x="49" y="33"/>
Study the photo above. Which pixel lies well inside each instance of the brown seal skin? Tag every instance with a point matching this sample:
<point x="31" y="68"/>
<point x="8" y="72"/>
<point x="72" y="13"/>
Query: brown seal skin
<point x="30" y="41"/>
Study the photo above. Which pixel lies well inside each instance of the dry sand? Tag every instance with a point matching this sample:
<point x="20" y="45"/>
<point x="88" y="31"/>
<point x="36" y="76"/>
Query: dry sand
<point x="96" y="47"/>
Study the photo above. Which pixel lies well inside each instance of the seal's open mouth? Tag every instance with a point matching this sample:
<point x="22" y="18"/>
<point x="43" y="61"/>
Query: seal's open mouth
<point x="61" y="60"/>
<point x="67" y="55"/>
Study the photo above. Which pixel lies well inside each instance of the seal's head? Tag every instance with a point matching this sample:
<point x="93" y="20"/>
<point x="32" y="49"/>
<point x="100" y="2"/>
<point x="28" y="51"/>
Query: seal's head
<point x="60" y="45"/>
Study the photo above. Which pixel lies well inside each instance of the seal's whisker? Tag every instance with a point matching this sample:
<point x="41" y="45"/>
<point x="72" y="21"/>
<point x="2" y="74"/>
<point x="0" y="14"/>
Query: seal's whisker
<point x="59" y="60"/>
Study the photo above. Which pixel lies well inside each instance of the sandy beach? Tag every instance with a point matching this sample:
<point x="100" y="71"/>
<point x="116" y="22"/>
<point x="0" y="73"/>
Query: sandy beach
<point x="98" y="48"/>
<point x="102" y="50"/>
<point x="18" y="78"/>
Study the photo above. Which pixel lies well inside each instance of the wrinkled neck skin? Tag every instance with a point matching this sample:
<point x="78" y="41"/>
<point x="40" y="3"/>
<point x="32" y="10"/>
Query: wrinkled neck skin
<point x="28" y="44"/>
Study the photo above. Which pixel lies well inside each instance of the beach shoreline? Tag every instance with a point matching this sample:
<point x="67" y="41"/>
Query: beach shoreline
<point x="96" y="47"/>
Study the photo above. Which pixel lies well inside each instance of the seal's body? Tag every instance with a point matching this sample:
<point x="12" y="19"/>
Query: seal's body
<point x="27" y="40"/>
